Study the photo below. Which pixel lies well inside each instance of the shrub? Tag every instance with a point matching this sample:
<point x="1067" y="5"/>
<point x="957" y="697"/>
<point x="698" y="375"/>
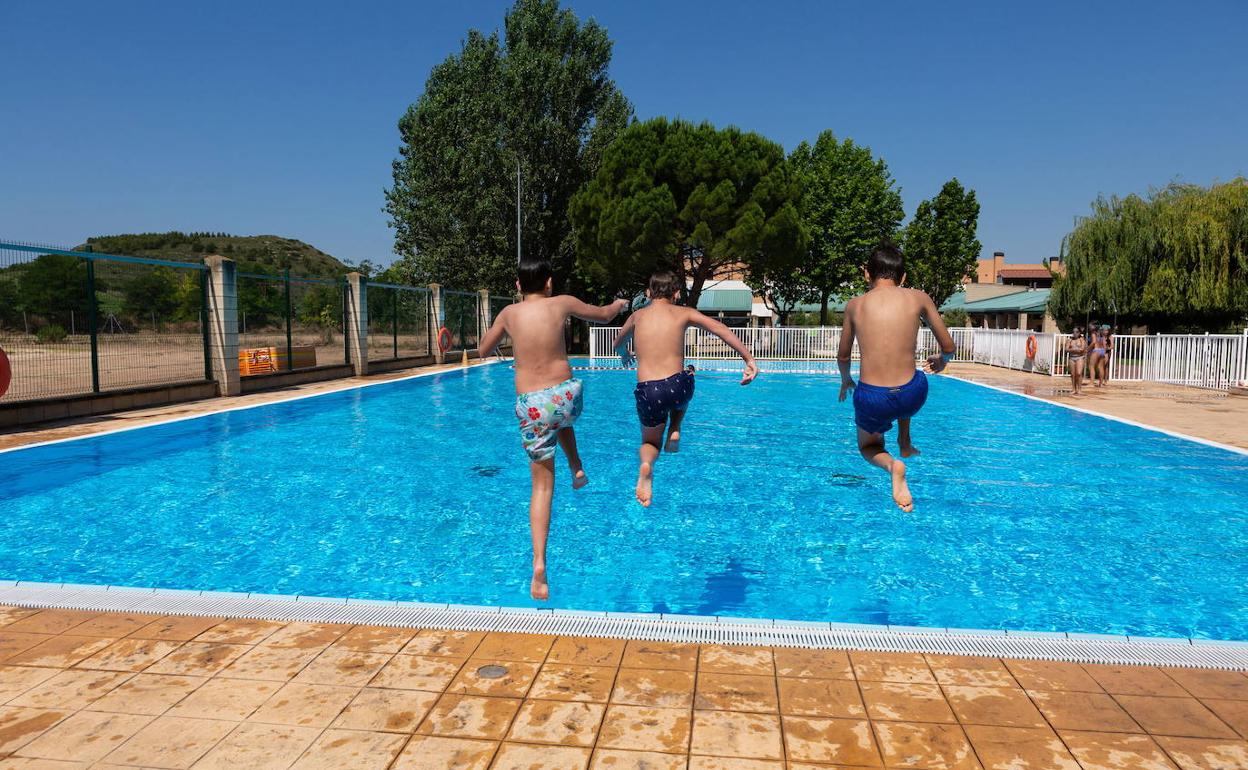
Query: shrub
<point x="51" y="334"/>
<point x="955" y="317"/>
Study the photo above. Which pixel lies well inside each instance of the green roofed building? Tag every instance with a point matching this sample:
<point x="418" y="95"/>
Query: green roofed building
<point x="1025" y="309"/>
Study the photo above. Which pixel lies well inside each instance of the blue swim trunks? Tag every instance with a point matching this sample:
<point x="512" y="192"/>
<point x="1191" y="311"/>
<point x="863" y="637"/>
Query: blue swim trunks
<point x="875" y="407"/>
<point x="656" y="399"/>
<point x="543" y="413"/>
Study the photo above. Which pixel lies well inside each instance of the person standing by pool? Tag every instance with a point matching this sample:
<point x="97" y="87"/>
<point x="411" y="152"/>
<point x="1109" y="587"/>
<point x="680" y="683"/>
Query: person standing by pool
<point x="1076" y="351"/>
<point x="664" y="384"/>
<point x="1095" y="353"/>
<point x="885" y="321"/>
<point x="1106" y="343"/>
<point x="548" y="397"/>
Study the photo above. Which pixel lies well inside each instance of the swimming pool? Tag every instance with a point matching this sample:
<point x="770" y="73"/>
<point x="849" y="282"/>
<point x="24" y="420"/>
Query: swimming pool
<point x="1029" y="516"/>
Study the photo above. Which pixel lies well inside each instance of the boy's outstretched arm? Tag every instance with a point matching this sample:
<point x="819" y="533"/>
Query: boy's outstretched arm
<point x="948" y="347"/>
<point x="725" y="334"/>
<point x="493" y="335"/>
<point x="587" y="312"/>
<point x="620" y="343"/>
<point x="845" y="352"/>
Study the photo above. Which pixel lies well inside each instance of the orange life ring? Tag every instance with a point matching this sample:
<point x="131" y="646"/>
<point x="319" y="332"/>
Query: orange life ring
<point x="444" y="339"/>
<point x="1031" y="346"/>
<point x="6" y="372"/>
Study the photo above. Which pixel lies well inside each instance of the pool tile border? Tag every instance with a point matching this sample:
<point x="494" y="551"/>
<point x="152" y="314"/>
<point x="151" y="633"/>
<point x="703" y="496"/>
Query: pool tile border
<point x="1027" y="645"/>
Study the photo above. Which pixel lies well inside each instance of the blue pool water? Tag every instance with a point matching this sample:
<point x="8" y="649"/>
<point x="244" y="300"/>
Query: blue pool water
<point x="1029" y="516"/>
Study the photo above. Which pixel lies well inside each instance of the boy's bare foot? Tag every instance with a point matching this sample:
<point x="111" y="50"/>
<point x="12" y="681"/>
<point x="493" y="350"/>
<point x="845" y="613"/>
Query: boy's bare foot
<point x="579" y="479"/>
<point x="538" y="588"/>
<point x="909" y="450"/>
<point x="673" y="442"/>
<point x="645" y="477"/>
<point x="901" y="491"/>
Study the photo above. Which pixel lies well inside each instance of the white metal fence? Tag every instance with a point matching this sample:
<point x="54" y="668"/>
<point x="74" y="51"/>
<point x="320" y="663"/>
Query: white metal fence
<point x="1216" y="361"/>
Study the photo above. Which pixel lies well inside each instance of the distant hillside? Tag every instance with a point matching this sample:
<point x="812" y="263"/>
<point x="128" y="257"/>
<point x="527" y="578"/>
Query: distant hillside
<point x="254" y="253"/>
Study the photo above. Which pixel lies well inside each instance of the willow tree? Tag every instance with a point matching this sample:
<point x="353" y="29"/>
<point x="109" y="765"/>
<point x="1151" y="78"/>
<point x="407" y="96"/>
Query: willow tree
<point x="1176" y="259"/>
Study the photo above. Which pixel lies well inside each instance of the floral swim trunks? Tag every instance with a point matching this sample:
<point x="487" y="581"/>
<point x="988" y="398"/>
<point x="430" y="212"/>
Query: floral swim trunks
<point x="543" y="413"/>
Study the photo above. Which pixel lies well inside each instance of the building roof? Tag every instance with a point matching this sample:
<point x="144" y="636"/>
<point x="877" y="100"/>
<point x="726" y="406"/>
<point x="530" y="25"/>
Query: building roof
<point x="1026" y="301"/>
<point x="1025" y="272"/>
<point x="726" y="296"/>
<point x="956" y="300"/>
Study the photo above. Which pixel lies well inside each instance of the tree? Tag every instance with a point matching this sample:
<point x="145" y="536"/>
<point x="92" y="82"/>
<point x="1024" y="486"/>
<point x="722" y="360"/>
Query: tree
<point x="1174" y="260"/>
<point x="700" y="200"/>
<point x="152" y="292"/>
<point x="541" y="97"/>
<point x="939" y="242"/>
<point x="54" y="285"/>
<point x="849" y="205"/>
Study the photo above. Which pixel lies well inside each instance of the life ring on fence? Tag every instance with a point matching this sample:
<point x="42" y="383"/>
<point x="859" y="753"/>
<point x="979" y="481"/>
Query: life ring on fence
<point x="444" y="339"/>
<point x="1031" y="346"/>
<point x="6" y="372"/>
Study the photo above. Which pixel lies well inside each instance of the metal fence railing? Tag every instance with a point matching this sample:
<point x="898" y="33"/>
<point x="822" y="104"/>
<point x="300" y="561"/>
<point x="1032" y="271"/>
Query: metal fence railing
<point x="287" y="323"/>
<point x="398" y="322"/>
<point x="461" y="315"/>
<point x="76" y="322"/>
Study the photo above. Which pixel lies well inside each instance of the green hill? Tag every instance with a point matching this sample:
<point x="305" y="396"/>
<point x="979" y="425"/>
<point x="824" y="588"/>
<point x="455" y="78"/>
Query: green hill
<point x="254" y="253"/>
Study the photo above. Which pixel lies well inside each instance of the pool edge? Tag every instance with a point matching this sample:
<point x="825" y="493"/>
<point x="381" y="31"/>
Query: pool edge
<point x="1067" y="647"/>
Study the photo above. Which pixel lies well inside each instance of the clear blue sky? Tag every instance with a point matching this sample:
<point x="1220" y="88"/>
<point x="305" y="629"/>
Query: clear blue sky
<point x="280" y="117"/>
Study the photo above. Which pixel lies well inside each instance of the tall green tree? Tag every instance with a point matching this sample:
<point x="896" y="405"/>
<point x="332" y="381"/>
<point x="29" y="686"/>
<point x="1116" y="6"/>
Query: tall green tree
<point x="697" y="199"/>
<point x="850" y="203"/>
<point x="539" y="96"/>
<point x="939" y="242"/>
<point x="54" y="285"/>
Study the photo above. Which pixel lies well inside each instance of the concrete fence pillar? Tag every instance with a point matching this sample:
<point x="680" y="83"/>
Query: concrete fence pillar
<point x="357" y="322"/>
<point x="223" y="324"/>
<point x="484" y="317"/>
<point x="437" y="320"/>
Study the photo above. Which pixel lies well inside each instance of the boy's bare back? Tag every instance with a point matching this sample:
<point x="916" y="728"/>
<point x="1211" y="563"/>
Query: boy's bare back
<point x="659" y="331"/>
<point x="885" y="321"/>
<point x="535" y="326"/>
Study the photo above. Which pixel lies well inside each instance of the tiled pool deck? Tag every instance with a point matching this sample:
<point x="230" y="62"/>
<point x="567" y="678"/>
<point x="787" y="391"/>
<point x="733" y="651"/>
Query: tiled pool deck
<point x="110" y="690"/>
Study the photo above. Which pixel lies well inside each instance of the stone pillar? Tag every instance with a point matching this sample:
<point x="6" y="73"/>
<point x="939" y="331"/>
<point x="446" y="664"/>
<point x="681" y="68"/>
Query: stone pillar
<point x="1022" y="321"/>
<point x="436" y="322"/>
<point x="223" y="324"/>
<point x="484" y="316"/>
<point x="357" y="322"/>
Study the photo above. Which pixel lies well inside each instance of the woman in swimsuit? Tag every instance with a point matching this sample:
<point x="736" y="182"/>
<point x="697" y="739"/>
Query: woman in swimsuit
<point x="1076" y="349"/>
<point x="1095" y="355"/>
<point x="1105" y="342"/>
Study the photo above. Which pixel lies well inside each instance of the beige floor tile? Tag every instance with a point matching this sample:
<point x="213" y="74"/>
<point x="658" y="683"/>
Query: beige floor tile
<point x="31" y="763"/>
<point x="1000" y="706"/>
<point x="736" y="692"/>
<point x="274" y="664"/>
<point x="386" y="710"/>
<point x="19" y="726"/>
<point x="847" y="741"/>
<point x="655" y="688"/>
<point x="240" y="631"/>
<point x="1180" y="717"/>
<point x="171" y="742"/>
<point x="60" y="651"/>
<point x="444" y="644"/>
<point x="129" y="655"/>
<point x="472" y="678"/>
<point x="727" y="659"/>
<point x="1115" y="751"/>
<point x="1083" y="711"/>
<point x="87" y="736"/>
<point x="230" y="699"/>
<point x="306" y="636"/>
<point x="621" y="759"/>
<point x="737" y="763"/>
<point x="575" y="651"/>
<point x="430" y="752"/>
<point x="891" y="667"/>
<point x="820" y="698"/>
<point x="520" y="756"/>
<point x="902" y="702"/>
<point x="258" y="747"/>
<point x="150" y="694"/>
<point x="573" y="682"/>
<point x="1020" y="748"/>
<point x="343" y="667"/>
<point x="645" y="729"/>
<point x="1204" y="683"/>
<point x="1135" y="680"/>
<point x="71" y="689"/>
<point x="928" y="746"/>
<point x="562" y="722"/>
<point x="13" y="614"/>
<point x="354" y="749"/>
<point x="1206" y="753"/>
<point x="417" y="672"/>
<point x="304" y="705"/>
<point x="470" y="716"/>
<point x="970" y="671"/>
<point x="1233" y="712"/>
<point x="1049" y="675"/>
<point x="112" y="624"/>
<point x="662" y="655"/>
<point x="737" y="734"/>
<point x="177" y="628"/>
<point x="51" y="621"/>
<point x="818" y="664"/>
<point x="531" y="648"/>
<point x="376" y="639"/>
<point x="16" y="642"/>
<point x="198" y="659"/>
<point x="15" y="680"/>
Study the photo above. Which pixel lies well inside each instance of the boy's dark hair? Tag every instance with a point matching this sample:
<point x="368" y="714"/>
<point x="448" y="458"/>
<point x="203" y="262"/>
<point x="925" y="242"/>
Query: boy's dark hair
<point x="664" y="284"/>
<point x="886" y="262"/>
<point x="533" y="275"/>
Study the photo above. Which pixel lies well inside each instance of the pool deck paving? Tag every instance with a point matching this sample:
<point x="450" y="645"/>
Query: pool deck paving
<point x="109" y="690"/>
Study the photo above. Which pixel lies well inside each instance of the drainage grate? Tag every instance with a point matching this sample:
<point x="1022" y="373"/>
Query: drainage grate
<point x="492" y="672"/>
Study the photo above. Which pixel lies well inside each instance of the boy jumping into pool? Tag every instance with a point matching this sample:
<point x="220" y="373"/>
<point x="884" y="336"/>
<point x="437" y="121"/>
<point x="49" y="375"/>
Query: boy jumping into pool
<point x="885" y="322"/>
<point x="664" y="384"/>
<point x="548" y="397"/>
